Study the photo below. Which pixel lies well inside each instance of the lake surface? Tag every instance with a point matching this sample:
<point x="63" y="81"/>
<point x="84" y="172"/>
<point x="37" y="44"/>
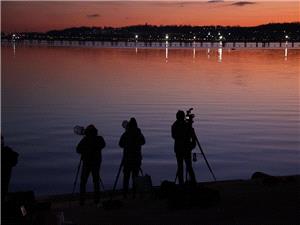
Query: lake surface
<point x="246" y="104"/>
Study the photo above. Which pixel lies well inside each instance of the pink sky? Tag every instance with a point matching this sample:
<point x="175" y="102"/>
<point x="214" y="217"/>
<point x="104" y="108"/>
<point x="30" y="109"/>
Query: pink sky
<point x="43" y="16"/>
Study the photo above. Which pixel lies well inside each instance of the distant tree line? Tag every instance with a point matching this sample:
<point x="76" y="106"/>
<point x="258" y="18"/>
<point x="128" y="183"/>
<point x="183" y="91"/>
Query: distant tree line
<point x="276" y="32"/>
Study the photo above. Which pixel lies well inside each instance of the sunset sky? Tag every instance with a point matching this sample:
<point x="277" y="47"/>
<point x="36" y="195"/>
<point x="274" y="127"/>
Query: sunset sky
<point x="44" y="16"/>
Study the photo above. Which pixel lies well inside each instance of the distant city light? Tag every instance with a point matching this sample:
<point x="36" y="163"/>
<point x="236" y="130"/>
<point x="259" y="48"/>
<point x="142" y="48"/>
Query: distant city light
<point x="286" y="41"/>
<point x="194" y="37"/>
<point x="136" y="36"/>
<point x="167" y="36"/>
<point x="221" y="37"/>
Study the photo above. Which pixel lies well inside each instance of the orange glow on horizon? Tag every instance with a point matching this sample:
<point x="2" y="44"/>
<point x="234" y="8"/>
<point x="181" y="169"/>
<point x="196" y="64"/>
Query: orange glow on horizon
<point x="44" y="16"/>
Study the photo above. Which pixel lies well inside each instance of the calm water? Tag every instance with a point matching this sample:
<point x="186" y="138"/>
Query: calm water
<point x="246" y="104"/>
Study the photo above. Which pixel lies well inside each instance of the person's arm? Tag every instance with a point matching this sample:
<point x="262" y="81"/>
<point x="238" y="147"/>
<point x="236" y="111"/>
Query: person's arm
<point x="142" y="139"/>
<point x="102" y="143"/>
<point x="80" y="147"/>
<point x="122" y="141"/>
<point x="173" y="131"/>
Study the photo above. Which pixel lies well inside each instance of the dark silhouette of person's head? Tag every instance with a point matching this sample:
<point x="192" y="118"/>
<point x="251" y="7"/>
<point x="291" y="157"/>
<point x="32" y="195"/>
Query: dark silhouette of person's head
<point x="132" y="124"/>
<point x="180" y="115"/>
<point x="91" y="131"/>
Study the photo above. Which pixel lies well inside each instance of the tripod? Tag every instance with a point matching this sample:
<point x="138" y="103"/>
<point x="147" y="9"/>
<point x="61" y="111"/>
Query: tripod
<point x="76" y="178"/>
<point x="189" y="120"/>
<point x="118" y="174"/>
<point x="201" y="150"/>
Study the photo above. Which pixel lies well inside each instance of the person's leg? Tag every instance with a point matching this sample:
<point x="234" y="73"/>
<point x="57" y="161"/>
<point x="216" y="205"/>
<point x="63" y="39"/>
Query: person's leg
<point x="5" y="178"/>
<point x="96" y="180"/>
<point x="135" y="173"/>
<point x="83" y="180"/>
<point x="189" y="167"/>
<point x="180" y="168"/>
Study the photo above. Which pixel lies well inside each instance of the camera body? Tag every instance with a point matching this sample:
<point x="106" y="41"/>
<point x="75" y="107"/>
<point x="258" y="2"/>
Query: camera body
<point x="189" y="117"/>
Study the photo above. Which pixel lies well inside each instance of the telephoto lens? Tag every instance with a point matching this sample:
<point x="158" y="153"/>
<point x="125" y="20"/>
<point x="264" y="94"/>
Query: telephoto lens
<point x="79" y="130"/>
<point x="124" y="124"/>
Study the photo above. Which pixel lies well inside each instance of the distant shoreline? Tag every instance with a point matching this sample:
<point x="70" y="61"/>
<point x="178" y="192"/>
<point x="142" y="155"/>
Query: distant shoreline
<point x="157" y="45"/>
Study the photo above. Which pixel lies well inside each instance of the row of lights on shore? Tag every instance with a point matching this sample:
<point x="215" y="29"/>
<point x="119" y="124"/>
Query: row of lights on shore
<point x="220" y="51"/>
<point x="167" y="37"/>
<point x="219" y="35"/>
<point x="14" y="37"/>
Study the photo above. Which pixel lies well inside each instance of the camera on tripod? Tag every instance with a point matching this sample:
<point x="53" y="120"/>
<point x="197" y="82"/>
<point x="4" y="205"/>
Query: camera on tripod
<point x="189" y="117"/>
<point x="79" y="130"/>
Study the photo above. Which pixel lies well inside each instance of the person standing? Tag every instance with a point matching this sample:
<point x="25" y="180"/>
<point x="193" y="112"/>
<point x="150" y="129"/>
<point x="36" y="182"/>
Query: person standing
<point x="9" y="159"/>
<point x="90" y="148"/>
<point x="183" y="135"/>
<point x="131" y="141"/>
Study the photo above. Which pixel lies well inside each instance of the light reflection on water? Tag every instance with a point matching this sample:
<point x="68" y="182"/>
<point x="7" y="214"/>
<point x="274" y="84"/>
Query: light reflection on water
<point x="247" y="109"/>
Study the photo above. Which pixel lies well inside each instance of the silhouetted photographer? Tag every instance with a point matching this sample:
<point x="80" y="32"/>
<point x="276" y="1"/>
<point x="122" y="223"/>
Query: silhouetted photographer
<point x="90" y="148"/>
<point x="131" y="141"/>
<point x="9" y="159"/>
<point x="183" y="134"/>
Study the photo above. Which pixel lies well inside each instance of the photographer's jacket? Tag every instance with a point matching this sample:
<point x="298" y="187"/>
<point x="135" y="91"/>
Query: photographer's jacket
<point x="182" y="133"/>
<point x="90" y="149"/>
<point x="131" y="141"/>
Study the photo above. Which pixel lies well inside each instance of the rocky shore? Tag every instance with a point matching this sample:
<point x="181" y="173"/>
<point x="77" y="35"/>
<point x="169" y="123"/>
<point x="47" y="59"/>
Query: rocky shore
<point x="261" y="200"/>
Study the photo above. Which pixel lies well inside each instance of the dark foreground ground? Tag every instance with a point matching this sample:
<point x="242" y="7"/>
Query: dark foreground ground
<point x="256" y="201"/>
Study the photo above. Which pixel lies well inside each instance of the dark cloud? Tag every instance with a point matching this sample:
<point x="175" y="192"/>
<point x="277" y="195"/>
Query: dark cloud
<point x="243" y="3"/>
<point x="92" y="15"/>
<point x="215" y="1"/>
<point x="168" y="4"/>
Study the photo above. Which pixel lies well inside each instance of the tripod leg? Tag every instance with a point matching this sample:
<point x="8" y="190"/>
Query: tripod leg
<point x="176" y="176"/>
<point x="102" y="185"/>
<point x="141" y="171"/>
<point x="198" y="143"/>
<point x="76" y="177"/>
<point x="117" y="178"/>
